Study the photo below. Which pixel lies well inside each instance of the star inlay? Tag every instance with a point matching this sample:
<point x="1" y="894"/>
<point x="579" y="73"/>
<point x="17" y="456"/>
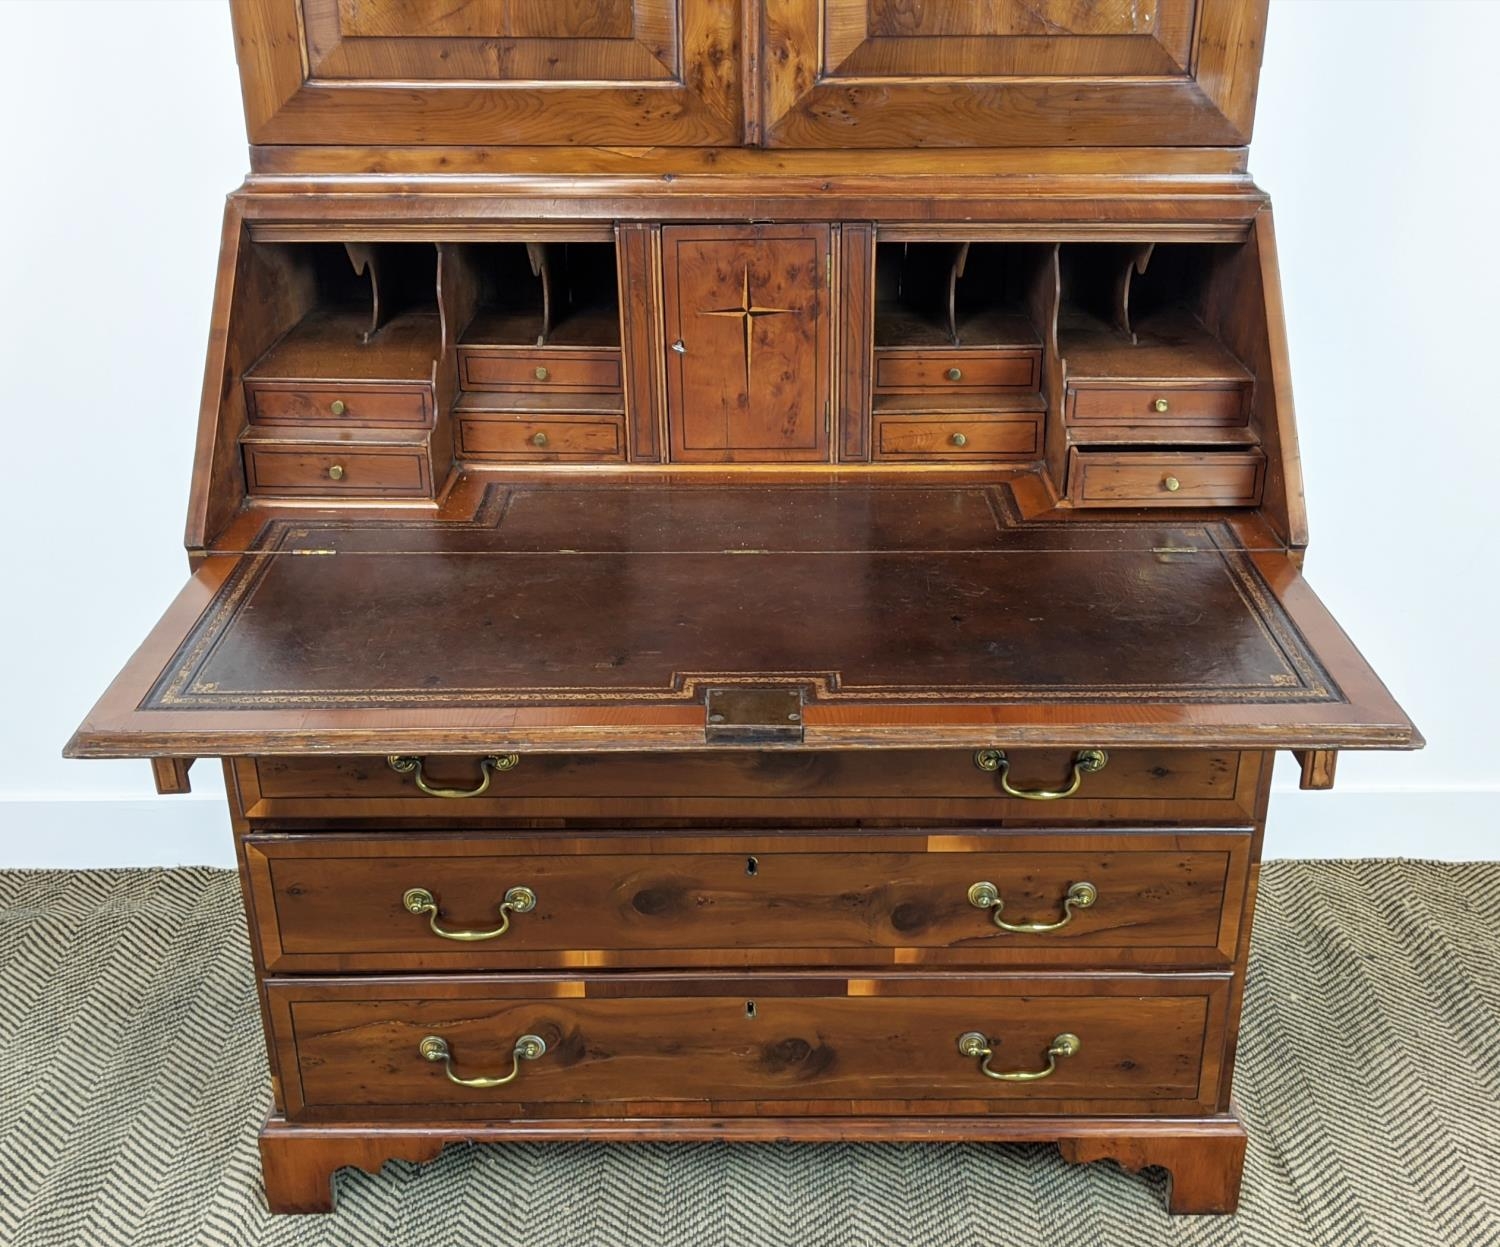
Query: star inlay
<point x="748" y="311"/>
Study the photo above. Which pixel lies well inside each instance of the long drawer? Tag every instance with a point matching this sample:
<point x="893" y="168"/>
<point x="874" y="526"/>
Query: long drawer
<point x="1135" y="785"/>
<point x="658" y="1045"/>
<point x="415" y="902"/>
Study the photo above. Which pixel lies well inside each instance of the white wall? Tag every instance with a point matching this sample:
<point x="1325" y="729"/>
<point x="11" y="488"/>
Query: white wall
<point x="1374" y="126"/>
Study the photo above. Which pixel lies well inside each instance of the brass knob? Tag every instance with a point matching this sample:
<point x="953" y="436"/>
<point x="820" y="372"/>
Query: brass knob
<point x="336" y="472"/>
<point x="1161" y="404"/>
<point x="337" y="407"/>
<point x="958" y="439"/>
<point x="542" y="374"/>
<point x="1171" y="484"/>
<point x="955" y="374"/>
<point x="539" y="439"/>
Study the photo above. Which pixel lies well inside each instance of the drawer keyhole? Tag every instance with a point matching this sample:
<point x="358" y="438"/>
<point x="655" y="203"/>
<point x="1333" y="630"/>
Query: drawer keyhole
<point x="749" y="1008"/>
<point x="752" y="867"/>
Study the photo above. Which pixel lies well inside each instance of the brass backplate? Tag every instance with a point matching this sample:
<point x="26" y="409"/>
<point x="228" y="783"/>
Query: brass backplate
<point x="753" y="715"/>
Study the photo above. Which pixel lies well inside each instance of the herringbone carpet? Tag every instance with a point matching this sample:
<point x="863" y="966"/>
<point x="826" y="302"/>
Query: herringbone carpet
<point x="132" y="1082"/>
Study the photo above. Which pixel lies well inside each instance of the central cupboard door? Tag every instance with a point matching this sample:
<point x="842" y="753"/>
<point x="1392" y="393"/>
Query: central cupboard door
<point x="900" y="73"/>
<point x="748" y="370"/>
<point x="491" y="72"/>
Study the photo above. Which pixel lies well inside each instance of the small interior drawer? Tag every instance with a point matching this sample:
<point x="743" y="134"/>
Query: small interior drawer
<point x="1136" y="479"/>
<point x="556" y="368"/>
<point x="548" y="437"/>
<point x="361" y="403"/>
<point x="681" y="899"/>
<point x="337" y="469"/>
<point x="1015" y="368"/>
<point x="957" y="437"/>
<point x="1225" y="406"/>
<point x="722" y="1045"/>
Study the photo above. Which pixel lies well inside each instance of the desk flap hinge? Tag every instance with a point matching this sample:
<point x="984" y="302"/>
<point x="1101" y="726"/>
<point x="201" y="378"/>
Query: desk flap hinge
<point x="738" y="715"/>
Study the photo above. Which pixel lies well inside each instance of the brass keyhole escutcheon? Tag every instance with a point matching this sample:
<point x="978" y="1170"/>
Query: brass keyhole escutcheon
<point x="336" y="472"/>
<point x="1161" y="405"/>
<point x="539" y="439"/>
<point x="1171" y="484"/>
<point x="955" y="374"/>
<point x="959" y="439"/>
<point x="541" y="374"/>
<point x="337" y="407"/>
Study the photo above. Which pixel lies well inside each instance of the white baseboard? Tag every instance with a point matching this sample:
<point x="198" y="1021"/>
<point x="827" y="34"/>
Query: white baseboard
<point x="1448" y="824"/>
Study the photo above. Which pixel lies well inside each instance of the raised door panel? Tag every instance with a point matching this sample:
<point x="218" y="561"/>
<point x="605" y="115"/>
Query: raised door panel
<point x="508" y="72"/>
<point x="897" y="73"/>
<point x="748" y="377"/>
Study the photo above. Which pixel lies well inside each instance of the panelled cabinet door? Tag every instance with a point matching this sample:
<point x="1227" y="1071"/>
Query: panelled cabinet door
<point x="900" y="73"/>
<point x="748" y="368"/>
<point x="491" y="72"/>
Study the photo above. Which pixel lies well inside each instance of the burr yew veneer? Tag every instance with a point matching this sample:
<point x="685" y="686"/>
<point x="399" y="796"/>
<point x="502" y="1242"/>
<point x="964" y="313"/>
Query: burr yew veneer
<point x="746" y="575"/>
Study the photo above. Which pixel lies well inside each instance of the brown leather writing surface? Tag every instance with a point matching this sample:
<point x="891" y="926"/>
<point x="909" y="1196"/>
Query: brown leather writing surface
<point x="881" y="605"/>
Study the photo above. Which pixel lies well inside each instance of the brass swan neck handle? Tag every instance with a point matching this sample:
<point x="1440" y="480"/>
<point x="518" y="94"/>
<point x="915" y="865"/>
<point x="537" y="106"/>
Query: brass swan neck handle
<point x="975" y="1044"/>
<point x="1085" y="762"/>
<point x="405" y="764"/>
<point x="986" y="895"/>
<point x="518" y="900"/>
<point x="435" y="1048"/>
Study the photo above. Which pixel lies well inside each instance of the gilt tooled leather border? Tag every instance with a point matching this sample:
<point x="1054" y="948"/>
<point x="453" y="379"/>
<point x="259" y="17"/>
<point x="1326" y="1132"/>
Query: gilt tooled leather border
<point x="1303" y="680"/>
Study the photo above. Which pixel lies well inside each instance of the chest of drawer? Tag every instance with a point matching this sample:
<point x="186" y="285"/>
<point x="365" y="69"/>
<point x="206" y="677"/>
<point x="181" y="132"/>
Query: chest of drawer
<point x="1204" y="406"/>
<point x="907" y="371"/>
<point x="404" y="902"/>
<point x="746" y="1045"/>
<point x="958" y="437"/>
<point x="353" y="403"/>
<point x="1135" y="479"/>
<point x="542" y="438"/>
<point x="1135" y="785"/>
<point x="336" y="469"/>
<point x="560" y="369"/>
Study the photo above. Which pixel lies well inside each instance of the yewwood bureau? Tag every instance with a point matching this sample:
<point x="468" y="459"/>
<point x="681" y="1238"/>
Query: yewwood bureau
<point x="745" y="571"/>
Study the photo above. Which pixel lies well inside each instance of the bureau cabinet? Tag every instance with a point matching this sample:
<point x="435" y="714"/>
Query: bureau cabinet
<point x="745" y="569"/>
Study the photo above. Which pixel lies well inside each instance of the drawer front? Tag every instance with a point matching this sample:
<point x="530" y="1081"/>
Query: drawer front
<point x="957" y="371"/>
<point x="331" y="470"/>
<point x="722" y="1046"/>
<point x="498" y="368"/>
<point x="1137" y="785"/>
<point x="1203" y="406"/>
<point x="356" y="404"/>
<point x="1166" y="480"/>
<point x="587" y="438"/>
<point x="958" y="437"/>
<point x="676" y="899"/>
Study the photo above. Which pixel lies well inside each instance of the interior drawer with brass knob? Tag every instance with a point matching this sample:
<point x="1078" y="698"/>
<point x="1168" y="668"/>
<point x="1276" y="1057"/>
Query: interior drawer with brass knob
<point x="563" y="369"/>
<point x="539" y="900"/>
<point x="1158" y="479"/>
<point x="907" y="369"/>
<point x="335" y="467"/>
<point x="725" y="1045"/>
<point x="1199" y="406"/>
<point x="362" y="403"/>
<point x="1135" y="785"/>
<point x="1017" y="436"/>
<point x="584" y="437"/>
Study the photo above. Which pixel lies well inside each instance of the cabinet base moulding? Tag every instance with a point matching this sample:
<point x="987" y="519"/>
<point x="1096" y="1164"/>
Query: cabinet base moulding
<point x="1204" y="1156"/>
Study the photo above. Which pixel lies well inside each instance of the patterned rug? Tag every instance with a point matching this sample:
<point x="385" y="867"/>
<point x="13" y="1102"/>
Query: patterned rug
<point x="132" y="1083"/>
